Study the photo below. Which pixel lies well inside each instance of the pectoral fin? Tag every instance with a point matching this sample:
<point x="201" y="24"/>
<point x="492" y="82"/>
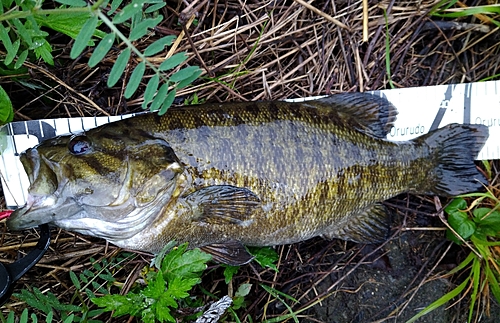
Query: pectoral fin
<point x="224" y="204"/>
<point x="231" y="253"/>
<point x="369" y="226"/>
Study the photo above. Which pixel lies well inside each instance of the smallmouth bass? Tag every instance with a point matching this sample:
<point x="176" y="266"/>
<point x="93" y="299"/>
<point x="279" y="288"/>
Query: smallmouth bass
<point x="221" y="176"/>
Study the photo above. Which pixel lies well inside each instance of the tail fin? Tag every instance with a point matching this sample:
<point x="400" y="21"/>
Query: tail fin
<point x="454" y="148"/>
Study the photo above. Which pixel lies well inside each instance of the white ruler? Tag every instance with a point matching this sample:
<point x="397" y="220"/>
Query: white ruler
<point x="420" y="109"/>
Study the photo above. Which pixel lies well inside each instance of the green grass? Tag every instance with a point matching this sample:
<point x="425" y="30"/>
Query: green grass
<point x="474" y="223"/>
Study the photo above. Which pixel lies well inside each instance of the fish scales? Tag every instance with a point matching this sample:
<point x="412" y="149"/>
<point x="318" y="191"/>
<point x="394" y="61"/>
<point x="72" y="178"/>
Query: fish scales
<point x="261" y="173"/>
<point x="246" y="149"/>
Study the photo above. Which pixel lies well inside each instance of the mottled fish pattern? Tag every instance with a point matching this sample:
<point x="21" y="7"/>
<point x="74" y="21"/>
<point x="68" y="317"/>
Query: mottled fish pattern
<point x="220" y="176"/>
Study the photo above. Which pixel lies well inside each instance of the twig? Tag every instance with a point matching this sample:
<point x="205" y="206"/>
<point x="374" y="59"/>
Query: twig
<point x="322" y="14"/>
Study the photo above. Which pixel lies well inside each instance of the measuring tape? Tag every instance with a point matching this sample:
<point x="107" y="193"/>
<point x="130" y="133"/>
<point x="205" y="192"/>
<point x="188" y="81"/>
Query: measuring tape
<point x="420" y="110"/>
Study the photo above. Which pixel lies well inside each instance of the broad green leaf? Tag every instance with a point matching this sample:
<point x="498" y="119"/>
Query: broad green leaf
<point x="151" y="90"/>
<point x="458" y="204"/>
<point x="69" y="319"/>
<point x="162" y="311"/>
<point x="184" y="73"/>
<point x="34" y="319"/>
<point x="265" y="256"/>
<point x="12" y="53"/>
<point x="461" y="223"/>
<point x="128" y="11"/>
<point x="182" y="263"/>
<point x="156" y="261"/>
<point x="119" y="67"/>
<point x="158" y="100"/>
<point x="102" y="49"/>
<point x="173" y="61"/>
<point x="84" y="37"/>
<point x="486" y="217"/>
<point x="158" y="288"/>
<point x="135" y="80"/>
<point x="179" y="287"/>
<point x="21" y="59"/>
<point x="6" y="111"/>
<point x="159" y="45"/>
<point x="49" y="317"/>
<point x="188" y="80"/>
<point x="239" y="296"/>
<point x="73" y="3"/>
<point x="45" y="52"/>
<point x="155" y="7"/>
<point x="243" y="290"/>
<point x="229" y="272"/>
<point x="23" y="32"/>
<point x="69" y="24"/>
<point x="142" y="28"/>
<point x="75" y="280"/>
<point x="168" y="102"/>
<point x="114" y="5"/>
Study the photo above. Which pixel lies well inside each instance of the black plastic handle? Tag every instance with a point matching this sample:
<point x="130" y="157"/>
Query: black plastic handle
<point x="10" y="273"/>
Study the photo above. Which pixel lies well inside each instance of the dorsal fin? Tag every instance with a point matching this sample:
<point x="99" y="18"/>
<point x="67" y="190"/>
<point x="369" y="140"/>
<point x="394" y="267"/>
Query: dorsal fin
<point x="366" y="112"/>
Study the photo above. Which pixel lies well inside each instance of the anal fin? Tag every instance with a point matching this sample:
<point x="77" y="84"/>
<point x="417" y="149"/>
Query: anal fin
<point x="231" y="253"/>
<point x="372" y="225"/>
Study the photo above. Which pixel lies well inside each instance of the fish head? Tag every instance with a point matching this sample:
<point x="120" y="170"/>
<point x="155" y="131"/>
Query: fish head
<point x="109" y="182"/>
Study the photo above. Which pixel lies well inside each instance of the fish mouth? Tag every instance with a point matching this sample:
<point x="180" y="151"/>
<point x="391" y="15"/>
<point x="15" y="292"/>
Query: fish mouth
<point x="41" y="199"/>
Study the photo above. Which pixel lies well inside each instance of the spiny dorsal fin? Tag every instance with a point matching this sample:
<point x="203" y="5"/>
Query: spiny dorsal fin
<point x="366" y="112"/>
<point x="369" y="226"/>
<point x="224" y="204"/>
<point x="231" y="253"/>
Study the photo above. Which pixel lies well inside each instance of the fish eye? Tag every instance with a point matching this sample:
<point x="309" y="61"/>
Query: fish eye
<point x="79" y="145"/>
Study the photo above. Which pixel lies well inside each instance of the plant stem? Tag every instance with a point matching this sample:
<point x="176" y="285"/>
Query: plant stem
<point x="127" y="42"/>
<point x="42" y="12"/>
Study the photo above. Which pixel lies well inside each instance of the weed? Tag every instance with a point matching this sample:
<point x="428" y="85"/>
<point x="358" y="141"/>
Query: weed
<point x="22" y="37"/>
<point x="88" y="283"/>
<point x="478" y="227"/>
<point x="444" y="9"/>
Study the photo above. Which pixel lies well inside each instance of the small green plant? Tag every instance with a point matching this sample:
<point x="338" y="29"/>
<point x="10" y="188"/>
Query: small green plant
<point x="180" y="270"/>
<point x="21" y="35"/>
<point x="87" y="284"/>
<point x="388" y="51"/>
<point x="445" y="9"/>
<point x="166" y="287"/>
<point x="477" y="226"/>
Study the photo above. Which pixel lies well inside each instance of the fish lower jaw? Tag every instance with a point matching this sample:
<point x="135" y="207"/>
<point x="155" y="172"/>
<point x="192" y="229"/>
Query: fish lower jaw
<point x="34" y="201"/>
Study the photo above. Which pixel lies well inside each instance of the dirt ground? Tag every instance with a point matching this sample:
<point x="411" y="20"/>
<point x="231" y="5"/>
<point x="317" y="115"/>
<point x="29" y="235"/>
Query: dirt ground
<point x="256" y="50"/>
